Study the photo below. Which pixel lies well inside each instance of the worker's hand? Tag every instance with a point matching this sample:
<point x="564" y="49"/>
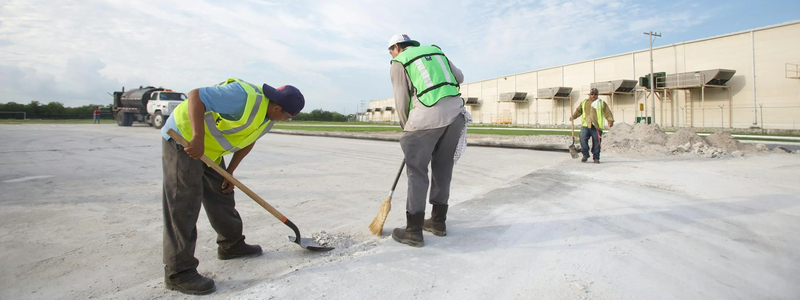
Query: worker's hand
<point x="610" y="124"/>
<point x="196" y="148"/>
<point x="227" y="187"/>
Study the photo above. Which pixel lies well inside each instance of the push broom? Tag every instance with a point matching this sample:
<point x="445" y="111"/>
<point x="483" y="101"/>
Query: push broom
<point x="377" y="224"/>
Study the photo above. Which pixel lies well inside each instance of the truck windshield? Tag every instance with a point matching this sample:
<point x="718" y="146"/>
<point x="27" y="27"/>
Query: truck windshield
<point x="172" y="96"/>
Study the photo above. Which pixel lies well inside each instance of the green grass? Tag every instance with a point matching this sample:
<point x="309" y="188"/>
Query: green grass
<point x="336" y="128"/>
<point x="765" y="140"/>
<point x="515" y="132"/>
<point x="43" y="121"/>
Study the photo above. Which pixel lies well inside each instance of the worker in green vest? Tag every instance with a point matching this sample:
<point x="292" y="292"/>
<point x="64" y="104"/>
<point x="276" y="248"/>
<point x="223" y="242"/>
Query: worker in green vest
<point x="592" y="112"/>
<point x="430" y="110"/>
<point x="219" y="120"/>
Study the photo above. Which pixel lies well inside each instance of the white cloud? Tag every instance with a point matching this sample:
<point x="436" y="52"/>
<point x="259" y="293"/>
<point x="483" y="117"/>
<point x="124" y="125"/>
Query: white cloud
<point x="76" y="51"/>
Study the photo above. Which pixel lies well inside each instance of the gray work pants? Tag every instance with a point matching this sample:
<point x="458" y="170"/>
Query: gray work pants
<point x="188" y="183"/>
<point x="437" y="148"/>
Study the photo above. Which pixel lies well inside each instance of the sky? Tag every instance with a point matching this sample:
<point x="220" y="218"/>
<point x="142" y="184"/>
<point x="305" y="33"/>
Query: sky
<point x="77" y="52"/>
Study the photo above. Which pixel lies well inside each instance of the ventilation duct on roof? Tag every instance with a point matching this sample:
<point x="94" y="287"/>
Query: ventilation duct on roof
<point x="615" y="86"/>
<point x="513" y="96"/>
<point x="554" y="92"/>
<point x="698" y="78"/>
<point x="471" y="101"/>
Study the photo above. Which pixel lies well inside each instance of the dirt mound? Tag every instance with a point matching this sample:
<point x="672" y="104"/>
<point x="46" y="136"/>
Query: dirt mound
<point x="683" y="136"/>
<point x="650" y="134"/>
<point x="724" y="140"/>
<point x="649" y="139"/>
<point x="639" y="139"/>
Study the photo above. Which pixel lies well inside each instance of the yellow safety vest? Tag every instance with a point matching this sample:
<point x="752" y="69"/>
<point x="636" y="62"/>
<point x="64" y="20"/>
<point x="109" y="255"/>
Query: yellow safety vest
<point x="222" y="136"/>
<point x="599" y="111"/>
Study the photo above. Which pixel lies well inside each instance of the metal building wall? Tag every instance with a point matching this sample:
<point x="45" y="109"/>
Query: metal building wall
<point x="759" y="87"/>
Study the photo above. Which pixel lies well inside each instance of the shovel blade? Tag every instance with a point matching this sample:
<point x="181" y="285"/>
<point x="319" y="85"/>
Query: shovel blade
<point x="309" y="244"/>
<point x="573" y="151"/>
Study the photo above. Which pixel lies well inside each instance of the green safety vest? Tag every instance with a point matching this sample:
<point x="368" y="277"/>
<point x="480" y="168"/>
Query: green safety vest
<point x="222" y="136"/>
<point x="430" y="74"/>
<point x="599" y="111"/>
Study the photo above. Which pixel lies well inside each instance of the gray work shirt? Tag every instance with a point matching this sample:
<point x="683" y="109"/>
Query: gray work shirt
<point x="422" y="117"/>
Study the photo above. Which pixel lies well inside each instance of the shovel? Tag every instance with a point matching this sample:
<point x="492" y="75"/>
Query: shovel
<point x="572" y="150"/>
<point x="306" y="243"/>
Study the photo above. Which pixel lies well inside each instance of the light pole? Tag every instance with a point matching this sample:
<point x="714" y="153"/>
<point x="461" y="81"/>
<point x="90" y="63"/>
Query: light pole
<point x="652" y="79"/>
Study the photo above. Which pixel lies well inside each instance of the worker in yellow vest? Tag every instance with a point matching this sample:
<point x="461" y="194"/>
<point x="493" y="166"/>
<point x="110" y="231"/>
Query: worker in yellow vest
<point x="218" y="120"/>
<point x="431" y="113"/>
<point x="592" y="112"/>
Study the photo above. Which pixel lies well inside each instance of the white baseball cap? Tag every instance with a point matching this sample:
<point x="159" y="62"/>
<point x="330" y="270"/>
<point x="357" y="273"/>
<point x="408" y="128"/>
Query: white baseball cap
<point x="402" y="38"/>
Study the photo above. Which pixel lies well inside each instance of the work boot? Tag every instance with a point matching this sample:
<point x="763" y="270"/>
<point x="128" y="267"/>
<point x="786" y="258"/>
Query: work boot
<point x="597" y="161"/>
<point x="238" y="250"/>
<point x="584" y="159"/>
<point x="436" y="224"/>
<point x="412" y="234"/>
<point x="193" y="284"/>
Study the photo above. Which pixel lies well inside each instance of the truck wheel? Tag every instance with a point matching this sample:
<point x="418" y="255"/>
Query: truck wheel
<point x="129" y="118"/>
<point x="120" y="119"/>
<point x="124" y="119"/>
<point x="158" y="120"/>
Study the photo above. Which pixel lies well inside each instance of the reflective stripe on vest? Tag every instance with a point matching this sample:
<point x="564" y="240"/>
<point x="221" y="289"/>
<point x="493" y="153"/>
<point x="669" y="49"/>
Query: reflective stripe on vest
<point x="222" y="136"/>
<point x="429" y="71"/>
<point x="599" y="112"/>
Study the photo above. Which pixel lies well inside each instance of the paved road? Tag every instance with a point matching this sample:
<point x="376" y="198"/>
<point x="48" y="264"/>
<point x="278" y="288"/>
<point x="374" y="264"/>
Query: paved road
<point x="80" y="217"/>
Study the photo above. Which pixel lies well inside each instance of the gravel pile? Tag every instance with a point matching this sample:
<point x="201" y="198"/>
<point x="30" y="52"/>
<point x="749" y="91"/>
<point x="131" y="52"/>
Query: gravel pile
<point x="648" y="139"/>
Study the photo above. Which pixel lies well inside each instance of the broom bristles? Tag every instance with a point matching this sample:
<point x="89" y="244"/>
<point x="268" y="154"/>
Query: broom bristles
<point x="377" y="224"/>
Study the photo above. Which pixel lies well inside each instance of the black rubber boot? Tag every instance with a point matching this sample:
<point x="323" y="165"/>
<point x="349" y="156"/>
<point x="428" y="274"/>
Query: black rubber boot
<point x="436" y="223"/>
<point x="191" y="283"/>
<point x="412" y="234"/>
<point x="238" y="250"/>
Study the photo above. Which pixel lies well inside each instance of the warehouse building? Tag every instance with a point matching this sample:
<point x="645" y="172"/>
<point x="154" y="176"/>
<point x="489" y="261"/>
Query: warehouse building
<point x="748" y="79"/>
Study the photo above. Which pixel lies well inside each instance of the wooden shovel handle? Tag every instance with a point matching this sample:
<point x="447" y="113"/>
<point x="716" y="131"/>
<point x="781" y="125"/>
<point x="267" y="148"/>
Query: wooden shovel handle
<point x="177" y="137"/>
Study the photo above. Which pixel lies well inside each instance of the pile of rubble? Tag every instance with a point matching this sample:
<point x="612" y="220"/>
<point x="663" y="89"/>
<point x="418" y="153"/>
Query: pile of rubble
<point x="648" y="139"/>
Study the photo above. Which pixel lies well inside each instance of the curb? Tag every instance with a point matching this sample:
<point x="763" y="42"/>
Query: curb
<point x="396" y="138"/>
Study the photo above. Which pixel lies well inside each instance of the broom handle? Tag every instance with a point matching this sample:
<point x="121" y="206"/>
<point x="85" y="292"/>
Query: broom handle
<point x="396" y="179"/>
<point x="230" y="178"/>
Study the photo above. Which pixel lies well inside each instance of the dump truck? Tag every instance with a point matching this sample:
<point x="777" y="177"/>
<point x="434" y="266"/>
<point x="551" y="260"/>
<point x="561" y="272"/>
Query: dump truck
<point x="149" y="105"/>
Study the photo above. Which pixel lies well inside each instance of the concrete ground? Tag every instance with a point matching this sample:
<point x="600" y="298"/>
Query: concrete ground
<point x="80" y="218"/>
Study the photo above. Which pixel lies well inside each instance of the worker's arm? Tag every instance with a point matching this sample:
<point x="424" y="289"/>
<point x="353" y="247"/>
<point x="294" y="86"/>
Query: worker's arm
<point x="456" y="72"/>
<point x="227" y="187"/>
<point x="402" y="94"/>
<point x="609" y="116"/>
<point x="578" y="112"/>
<point x="197" y="109"/>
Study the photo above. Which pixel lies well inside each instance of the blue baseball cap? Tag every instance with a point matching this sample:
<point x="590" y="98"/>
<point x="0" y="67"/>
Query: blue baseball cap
<point x="287" y="96"/>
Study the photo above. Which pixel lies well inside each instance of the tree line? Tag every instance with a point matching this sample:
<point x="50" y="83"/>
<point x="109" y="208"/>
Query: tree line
<point x="52" y="110"/>
<point x="320" y="115"/>
<point x="57" y="110"/>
